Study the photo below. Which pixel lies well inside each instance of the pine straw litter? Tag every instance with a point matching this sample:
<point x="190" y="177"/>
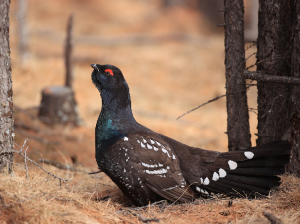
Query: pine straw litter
<point x="33" y="196"/>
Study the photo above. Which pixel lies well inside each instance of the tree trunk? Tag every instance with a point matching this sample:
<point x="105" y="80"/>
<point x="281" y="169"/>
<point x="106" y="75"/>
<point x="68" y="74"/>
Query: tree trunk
<point x="273" y="59"/>
<point x="22" y="31"/>
<point x="278" y="53"/>
<point x="238" y="129"/>
<point x="6" y="103"/>
<point x="294" y="128"/>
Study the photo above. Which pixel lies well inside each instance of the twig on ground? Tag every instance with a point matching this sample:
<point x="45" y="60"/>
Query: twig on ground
<point x="61" y="166"/>
<point x="61" y="199"/>
<point x="140" y="217"/>
<point x="272" y="218"/>
<point x="147" y="206"/>
<point x="146" y="220"/>
<point x="124" y="219"/>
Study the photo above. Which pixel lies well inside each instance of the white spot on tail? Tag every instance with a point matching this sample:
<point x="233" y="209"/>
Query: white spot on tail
<point x="201" y="180"/>
<point x="222" y="173"/>
<point x="206" y="181"/>
<point x="249" y="155"/>
<point x="215" y="176"/>
<point x="204" y="191"/>
<point x="125" y="139"/>
<point x="149" y="146"/>
<point x="232" y="165"/>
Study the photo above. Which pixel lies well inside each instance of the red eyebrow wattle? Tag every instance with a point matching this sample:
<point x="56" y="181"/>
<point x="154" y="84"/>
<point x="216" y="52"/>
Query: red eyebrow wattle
<point x="110" y="71"/>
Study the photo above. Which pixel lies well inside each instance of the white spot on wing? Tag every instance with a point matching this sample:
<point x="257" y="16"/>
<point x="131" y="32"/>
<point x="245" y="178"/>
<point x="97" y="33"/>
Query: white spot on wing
<point x="144" y="140"/>
<point x="152" y="142"/>
<point x="201" y="180"/>
<point x="165" y="151"/>
<point x="142" y="145"/>
<point x="215" y="176"/>
<point x="158" y="143"/>
<point x="206" y="181"/>
<point x="155" y="149"/>
<point x="138" y="141"/>
<point x="125" y="139"/>
<point x="149" y="165"/>
<point x="222" y="173"/>
<point x="174" y="156"/>
<point x="249" y="155"/>
<point x="149" y="146"/>
<point x="160" y="165"/>
<point x="161" y="171"/>
<point x="198" y="189"/>
<point x="232" y="165"/>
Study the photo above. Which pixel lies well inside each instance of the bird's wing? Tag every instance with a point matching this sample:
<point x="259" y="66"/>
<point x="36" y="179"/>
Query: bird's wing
<point x="152" y="161"/>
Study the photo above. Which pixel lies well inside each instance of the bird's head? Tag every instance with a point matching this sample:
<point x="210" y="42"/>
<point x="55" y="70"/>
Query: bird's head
<point x="108" y="78"/>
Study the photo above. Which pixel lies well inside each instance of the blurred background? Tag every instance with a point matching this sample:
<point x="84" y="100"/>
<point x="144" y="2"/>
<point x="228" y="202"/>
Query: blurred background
<point x="171" y="53"/>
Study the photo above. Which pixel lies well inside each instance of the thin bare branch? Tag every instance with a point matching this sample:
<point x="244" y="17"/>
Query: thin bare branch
<point x="20" y="152"/>
<point x="214" y="99"/>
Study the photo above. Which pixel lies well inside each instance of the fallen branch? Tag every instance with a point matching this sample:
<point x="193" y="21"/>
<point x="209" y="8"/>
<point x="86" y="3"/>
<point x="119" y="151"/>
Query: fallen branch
<point x="271" y="78"/>
<point x="60" y="166"/>
<point x="272" y="218"/>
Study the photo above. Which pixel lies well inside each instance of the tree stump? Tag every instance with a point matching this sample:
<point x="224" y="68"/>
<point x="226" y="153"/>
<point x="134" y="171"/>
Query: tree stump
<point x="58" y="106"/>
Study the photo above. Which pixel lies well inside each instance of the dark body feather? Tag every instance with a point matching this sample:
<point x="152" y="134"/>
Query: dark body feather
<point x="148" y="166"/>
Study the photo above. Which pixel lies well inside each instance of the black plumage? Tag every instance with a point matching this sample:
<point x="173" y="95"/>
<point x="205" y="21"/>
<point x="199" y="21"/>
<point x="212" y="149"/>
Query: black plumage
<point x="147" y="166"/>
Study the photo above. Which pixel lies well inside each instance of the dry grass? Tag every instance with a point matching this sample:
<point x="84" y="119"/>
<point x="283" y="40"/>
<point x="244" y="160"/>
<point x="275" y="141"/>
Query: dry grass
<point x="94" y="199"/>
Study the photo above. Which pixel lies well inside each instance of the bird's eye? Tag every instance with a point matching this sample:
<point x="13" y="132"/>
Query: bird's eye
<point x="109" y="72"/>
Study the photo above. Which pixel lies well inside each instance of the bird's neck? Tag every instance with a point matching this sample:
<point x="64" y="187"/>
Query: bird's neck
<point x="114" y="121"/>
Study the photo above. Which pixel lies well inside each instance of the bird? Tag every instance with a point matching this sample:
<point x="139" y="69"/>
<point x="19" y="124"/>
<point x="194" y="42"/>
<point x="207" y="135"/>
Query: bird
<point x="148" y="166"/>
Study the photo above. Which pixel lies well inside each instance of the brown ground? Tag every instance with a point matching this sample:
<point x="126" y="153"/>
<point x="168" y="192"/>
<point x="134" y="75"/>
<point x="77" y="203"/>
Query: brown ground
<point x="166" y="79"/>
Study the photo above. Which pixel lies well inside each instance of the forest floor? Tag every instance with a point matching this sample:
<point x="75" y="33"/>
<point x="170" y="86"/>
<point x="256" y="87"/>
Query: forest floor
<point x="167" y="77"/>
